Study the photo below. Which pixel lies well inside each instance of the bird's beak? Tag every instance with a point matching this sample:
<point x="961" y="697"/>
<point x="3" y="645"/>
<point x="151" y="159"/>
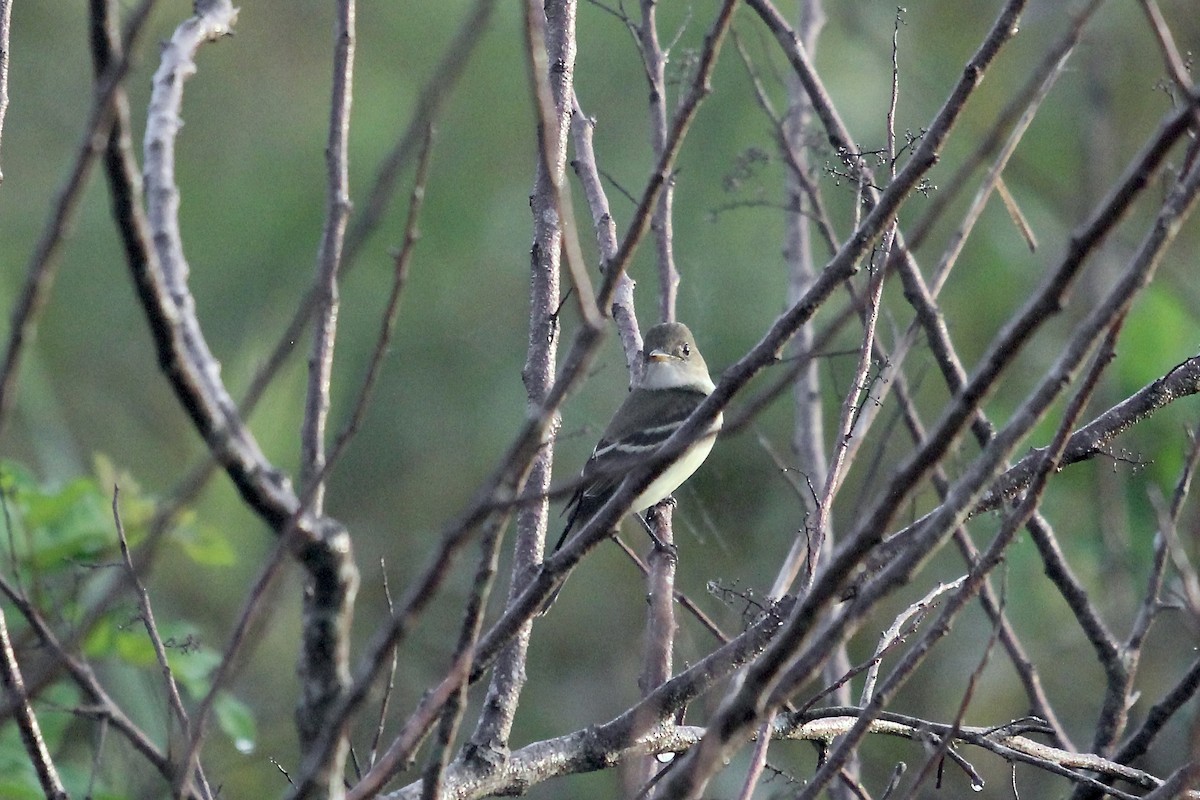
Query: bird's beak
<point x="659" y="356"/>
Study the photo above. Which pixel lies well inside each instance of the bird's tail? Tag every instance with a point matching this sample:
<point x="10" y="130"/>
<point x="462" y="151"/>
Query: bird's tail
<point x="561" y="539"/>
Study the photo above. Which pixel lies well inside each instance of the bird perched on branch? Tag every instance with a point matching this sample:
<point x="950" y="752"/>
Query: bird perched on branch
<point x="674" y="380"/>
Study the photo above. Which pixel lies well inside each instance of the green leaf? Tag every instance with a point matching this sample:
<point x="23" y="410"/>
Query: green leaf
<point x="192" y="664"/>
<point x="1159" y="333"/>
<point x="136" y="507"/>
<point x="16" y="478"/>
<point x="237" y="721"/>
<point x="69" y="525"/>
<point x="206" y="545"/>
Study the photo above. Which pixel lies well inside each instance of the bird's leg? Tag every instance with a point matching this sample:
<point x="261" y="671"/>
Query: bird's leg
<point x="659" y="544"/>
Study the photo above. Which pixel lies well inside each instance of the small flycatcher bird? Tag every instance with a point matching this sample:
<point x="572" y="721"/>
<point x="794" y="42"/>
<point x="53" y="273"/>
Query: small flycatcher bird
<point x="673" y="382"/>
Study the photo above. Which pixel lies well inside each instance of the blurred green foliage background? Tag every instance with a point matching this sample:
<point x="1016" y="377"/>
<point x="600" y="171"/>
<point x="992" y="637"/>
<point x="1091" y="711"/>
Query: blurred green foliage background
<point x="251" y="174"/>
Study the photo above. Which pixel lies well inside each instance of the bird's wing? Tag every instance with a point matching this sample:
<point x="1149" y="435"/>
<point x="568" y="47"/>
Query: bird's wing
<point x="638" y="428"/>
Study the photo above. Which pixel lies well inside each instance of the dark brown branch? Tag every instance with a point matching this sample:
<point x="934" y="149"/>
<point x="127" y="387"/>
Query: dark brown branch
<point x="1159" y="715"/>
<point x="738" y="713"/>
<point x="1094" y="439"/>
<point x="1121" y="668"/>
<point x="1027" y="671"/>
<point x="1112" y="308"/>
<point x="958" y="601"/>
<point x="1082" y="243"/>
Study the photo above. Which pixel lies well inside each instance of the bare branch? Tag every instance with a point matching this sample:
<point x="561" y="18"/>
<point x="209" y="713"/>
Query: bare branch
<point x="101" y="705"/>
<point x="5" y="26"/>
<point x="594" y="748"/>
<point x="146" y="611"/>
<point x="689" y="103"/>
<point x="488" y="746"/>
<point x="27" y="724"/>
<point x="401" y="260"/>
<point x="957" y="602"/>
<point x="737" y="713"/>
<point x="481" y="587"/>
<point x="329" y="259"/>
<point x="585" y="167"/>
<point x="655" y="61"/>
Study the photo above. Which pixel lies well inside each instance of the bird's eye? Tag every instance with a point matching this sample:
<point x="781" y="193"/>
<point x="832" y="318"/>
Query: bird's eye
<point x="686" y="349"/>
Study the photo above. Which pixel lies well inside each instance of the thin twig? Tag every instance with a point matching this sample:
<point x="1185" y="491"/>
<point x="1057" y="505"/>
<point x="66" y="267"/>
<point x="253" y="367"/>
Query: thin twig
<point x="686" y="602"/>
<point x="253" y="608"/>
<point x="737" y="713"/>
<point x="949" y="190"/>
<point x="101" y="705"/>
<point x="585" y="167"/>
<point x="435" y="93"/>
<point x="898" y="630"/>
<point x="27" y="724"/>
<point x="400" y="268"/>
<point x="488" y="744"/>
<point x="390" y="685"/>
<point x="329" y="258"/>
<point x="958" y="601"/>
<point x="945" y="742"/>
<point x="1172" y="59"/>
<point x="685" y="113"/>
<point x="5" y="26"/>
<point x="146" y="612"/>
<point x="654" y="59"/>
<point x="992" y="180"/>
<point x="481" y="587"/>
<point x="1188" y="578"/>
